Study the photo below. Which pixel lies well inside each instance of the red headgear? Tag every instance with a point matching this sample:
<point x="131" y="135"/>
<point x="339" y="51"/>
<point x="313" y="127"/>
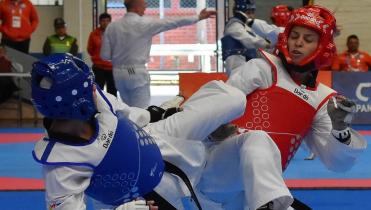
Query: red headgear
<point x="320" y="20"/>
<point x="280" y="15"/>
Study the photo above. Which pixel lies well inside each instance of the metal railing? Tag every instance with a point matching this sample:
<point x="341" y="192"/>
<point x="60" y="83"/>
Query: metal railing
<point x="18" y="77"/>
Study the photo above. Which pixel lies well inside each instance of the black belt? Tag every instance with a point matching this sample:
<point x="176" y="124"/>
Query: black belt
<point x="298" y="205"/>
<point x="161" y="202"/>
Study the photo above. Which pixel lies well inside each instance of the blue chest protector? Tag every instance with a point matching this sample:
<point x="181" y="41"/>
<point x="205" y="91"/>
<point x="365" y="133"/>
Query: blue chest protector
<point x="231" y="46"/>
<point x="132" y="166"/>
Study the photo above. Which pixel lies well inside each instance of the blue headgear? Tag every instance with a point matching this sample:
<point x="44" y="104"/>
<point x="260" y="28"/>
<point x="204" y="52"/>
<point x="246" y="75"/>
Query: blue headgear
<point x="69" y="94"/>
<point x="244" y="5"/>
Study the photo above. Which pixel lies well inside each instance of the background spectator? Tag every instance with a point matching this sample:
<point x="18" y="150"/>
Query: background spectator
<point x="102" y="69"/>
<point x="7" y="85"/>
<point x="60" y="42"/>
<point x="19" y="20"/>
<point x="352" y="59"/>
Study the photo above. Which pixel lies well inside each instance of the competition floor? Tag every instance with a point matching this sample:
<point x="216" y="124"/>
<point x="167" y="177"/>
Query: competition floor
<point x="21" y="186"/>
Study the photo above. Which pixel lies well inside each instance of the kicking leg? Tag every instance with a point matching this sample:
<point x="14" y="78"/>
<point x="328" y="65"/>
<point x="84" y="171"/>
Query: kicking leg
<point x="216" y="103"/>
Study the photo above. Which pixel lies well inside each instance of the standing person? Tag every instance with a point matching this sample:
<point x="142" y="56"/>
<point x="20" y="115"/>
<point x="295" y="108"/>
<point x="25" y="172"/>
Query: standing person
<point x="19" y="20"/>
<point x="353" y="59"/>
<point x="244" y="35"/>
<point x="102" y="69"/>
<point x="127" y="42"/>
<point x="60" y="42"/>
<point x="285" y="106"/>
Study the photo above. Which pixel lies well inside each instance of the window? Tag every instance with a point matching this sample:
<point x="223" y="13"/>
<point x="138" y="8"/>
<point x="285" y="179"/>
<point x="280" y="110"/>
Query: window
<point x="47" y="2"/>
<point x="188" y="3"/>
<point x="156" y="3"/>
<point x="193" y="3"/>
<point x="150" y="4"/>
<point x="115" y="4"/>
<point x="211" y="3"/>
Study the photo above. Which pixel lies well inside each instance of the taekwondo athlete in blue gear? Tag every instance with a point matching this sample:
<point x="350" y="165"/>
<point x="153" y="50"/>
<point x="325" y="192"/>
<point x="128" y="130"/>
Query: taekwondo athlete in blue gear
<point x="125" y="161"/>
<point x="243" y="35"/>
<point x="96" y="145"/>
<point x="239" y="40"/>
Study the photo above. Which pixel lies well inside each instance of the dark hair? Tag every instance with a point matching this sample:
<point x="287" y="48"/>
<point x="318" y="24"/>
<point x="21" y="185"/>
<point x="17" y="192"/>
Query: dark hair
<point x="59" y="22"/>
<point x="128" y="4"/>
<point x="104" y="16"/>
<point x="353" y="36"/>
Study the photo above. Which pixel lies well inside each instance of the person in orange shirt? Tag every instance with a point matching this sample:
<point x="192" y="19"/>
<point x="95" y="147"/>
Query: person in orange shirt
<point x="352" y="59"/>
<point x="19" y="20"/>
<point x="102" y="69"/>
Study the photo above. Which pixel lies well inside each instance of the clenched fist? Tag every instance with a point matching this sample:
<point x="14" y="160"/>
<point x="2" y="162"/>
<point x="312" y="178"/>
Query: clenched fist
<point x="341" y="110"/>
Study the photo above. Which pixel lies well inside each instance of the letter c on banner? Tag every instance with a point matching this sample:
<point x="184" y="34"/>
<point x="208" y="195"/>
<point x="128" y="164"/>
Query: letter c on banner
<point x="359" y="91"/>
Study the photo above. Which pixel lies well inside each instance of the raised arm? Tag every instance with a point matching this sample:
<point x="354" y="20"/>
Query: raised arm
<point x="156" y="26"/>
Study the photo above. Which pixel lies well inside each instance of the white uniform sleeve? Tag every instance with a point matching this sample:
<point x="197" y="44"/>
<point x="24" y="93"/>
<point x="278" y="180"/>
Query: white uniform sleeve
<point x="245" y="35"/>
<point x="267" y="31"/>
<point x="335" y="155"/>
<point x="65" y="186"/>
<point x="254" y="74"/>
<point x="155" y="26"/>
<point x="106" y="48"/>
<point x="138" y="115"/>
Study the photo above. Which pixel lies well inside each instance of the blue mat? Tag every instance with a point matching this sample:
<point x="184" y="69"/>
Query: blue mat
<point x="316" y="199"/>
<point x="309" y="169"/>
<point x="16" y="161"/>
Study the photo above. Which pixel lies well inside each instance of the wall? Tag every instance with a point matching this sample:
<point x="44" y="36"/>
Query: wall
<point x="45" y="28"/>
<point x="79" y="12"/>
<point x="78" y="17"/>
<point x="354" y="18"/>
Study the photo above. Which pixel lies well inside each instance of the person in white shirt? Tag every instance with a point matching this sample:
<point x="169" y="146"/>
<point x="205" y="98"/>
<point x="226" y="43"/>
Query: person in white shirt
<point x="127" y="43"/>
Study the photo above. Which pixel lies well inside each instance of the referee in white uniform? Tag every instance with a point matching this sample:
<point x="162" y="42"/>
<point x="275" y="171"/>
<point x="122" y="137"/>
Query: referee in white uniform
<point x="127" y="42"/>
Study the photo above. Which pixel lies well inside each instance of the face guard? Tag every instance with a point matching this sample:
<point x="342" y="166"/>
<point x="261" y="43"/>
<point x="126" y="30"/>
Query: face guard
<point x="280" y="15"/>
<point x="62" y="88"/>
<point x="244" y="5"/>
<point x="320" y="20"/>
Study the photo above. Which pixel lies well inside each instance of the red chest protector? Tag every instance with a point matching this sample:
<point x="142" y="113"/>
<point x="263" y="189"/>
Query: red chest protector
<point x="285" y="110"/>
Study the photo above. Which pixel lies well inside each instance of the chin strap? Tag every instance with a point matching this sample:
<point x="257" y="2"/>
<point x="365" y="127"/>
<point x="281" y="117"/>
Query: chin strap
<point x="295" y="69"/>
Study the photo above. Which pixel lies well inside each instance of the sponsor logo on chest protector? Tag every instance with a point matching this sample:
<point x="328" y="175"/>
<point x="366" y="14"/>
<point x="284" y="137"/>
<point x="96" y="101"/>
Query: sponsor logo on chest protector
<point x="301" y="93"/>
<point x="106" y="139"/>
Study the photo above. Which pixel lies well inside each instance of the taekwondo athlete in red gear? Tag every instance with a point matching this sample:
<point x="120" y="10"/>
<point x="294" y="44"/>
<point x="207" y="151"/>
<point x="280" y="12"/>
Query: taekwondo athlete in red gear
<point x="285" y="106"/>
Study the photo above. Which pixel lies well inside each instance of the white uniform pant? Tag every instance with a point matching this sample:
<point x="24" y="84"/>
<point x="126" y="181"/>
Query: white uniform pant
<point x="133" y="84"/>
<point x="180" y="136"/>
<point x="245" y="170"/>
